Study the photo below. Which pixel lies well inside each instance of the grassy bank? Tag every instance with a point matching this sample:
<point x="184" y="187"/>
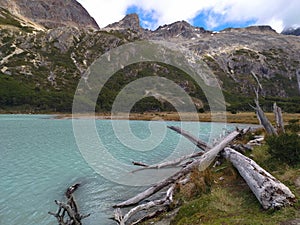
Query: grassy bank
<point x="220" y="196"/>
<point x="230" y="201"/>
<point x="227" y="200"/>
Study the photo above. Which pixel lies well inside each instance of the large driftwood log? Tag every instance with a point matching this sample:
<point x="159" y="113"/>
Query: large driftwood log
<point x="271" y="193"/>
<point x="70" y="208"/>
<point x="202" y="163"/>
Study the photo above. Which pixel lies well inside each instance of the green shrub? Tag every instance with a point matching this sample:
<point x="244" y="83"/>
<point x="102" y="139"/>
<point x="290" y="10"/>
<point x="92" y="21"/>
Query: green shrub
<point x="285" y="148"/>
<point x="293" y="126"/>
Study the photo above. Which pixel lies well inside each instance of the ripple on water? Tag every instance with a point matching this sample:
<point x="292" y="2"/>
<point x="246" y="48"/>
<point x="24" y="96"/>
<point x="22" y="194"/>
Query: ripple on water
<point x="40" y="159"/>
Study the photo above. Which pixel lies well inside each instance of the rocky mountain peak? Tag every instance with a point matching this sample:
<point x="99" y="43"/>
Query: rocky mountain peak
<point x="130" y="21"/>
<point x="51" y="13"/>
<point x="261" y="28"/>
<point x="180" y="29"/>
<point x="179" y="24"/>
<point x="254" y="29"/>
<point x="291" y="31"/>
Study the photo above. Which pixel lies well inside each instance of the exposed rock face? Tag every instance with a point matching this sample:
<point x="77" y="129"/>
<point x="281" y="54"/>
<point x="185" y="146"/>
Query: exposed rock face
<point x="129" y="22"/>
<point x="292" y="31"/>
<point x="129" y="26"/>
<point x="180" y="29"/>
<point x="242" y="58"/>
<point x="49" y="62"/>
<point x="236" y="55"/>
<point x="51" y="13"/>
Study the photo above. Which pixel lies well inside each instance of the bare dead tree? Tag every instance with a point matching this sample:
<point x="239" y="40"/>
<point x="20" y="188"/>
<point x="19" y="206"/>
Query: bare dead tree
<point x="262" y="117"/>
<point x="278" y="118"/>
<point x="67" y="213"/>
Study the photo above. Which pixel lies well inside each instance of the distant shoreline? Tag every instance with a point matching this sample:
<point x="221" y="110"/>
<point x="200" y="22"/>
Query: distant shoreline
<point x="242" y="117"/>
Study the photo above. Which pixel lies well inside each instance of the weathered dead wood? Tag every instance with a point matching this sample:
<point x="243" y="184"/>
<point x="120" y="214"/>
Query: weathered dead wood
<point x="199" y="143"/>
<point x="278" y="118"/>
<point x="171" y="163"/>
<point x="270" y="192"/>
<point x="202" y="163"/>
<point x="185" y="180"/>
<point x="264" y="120"/>
<point x="161" y="203"/>
<point x="257" y="141"/>
<point x="257" y="80"/>
<point x="73" y="217"/>
<point x="140" y="164"/>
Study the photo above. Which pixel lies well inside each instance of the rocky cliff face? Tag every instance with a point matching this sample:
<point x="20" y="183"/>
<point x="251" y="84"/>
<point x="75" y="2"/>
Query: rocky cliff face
<point x="40" y="69"/>
<point x="51" y="13"/>
<point x="129" y="22"/>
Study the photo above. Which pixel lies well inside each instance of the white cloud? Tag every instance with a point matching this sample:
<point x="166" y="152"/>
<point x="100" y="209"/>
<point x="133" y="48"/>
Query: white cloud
<point x="106" y="12"/>
<point x="212" y="22"/>
<point x="277" y="13"/>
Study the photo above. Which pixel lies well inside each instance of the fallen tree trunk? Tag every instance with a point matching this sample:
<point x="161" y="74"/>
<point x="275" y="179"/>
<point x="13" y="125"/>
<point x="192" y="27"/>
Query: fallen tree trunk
<point x="271" y="193"/>
<point x="172" y="163"/>
<point x="202" y="163"/>
<point x="199" y="143"/>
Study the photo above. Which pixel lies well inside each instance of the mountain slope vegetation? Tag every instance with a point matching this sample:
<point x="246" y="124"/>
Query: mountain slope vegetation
<point x="40" y="68"/>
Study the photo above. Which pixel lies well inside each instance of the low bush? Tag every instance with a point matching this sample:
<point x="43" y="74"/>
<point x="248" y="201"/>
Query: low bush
<point x="285" y="148"/>
<point x="293" y="126"/>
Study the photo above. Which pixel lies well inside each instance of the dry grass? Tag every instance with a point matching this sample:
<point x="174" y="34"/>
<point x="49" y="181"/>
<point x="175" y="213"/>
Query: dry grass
<point x="243" y="117"/>
<point x="230" y="201"/>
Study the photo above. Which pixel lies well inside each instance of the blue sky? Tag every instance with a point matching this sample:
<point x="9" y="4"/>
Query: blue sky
<point x="210" y="14"/>
<point x="202" y="19"/>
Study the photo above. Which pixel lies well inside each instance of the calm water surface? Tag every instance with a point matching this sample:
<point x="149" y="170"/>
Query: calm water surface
<point x="40" y="159"/>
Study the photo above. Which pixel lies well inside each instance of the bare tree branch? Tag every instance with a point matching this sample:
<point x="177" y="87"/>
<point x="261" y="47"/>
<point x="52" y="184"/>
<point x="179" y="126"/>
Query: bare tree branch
<point x="167" y="200"/>
<point x="199" y="143"/>
<point x="71" y="208"/>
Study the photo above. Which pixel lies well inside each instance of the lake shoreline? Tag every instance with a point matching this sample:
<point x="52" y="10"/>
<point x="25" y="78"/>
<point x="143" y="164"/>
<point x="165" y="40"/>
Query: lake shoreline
<point x="241" y="118"/>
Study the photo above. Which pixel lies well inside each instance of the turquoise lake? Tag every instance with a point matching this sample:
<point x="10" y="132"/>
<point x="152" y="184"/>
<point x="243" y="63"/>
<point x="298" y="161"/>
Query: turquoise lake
<point x="40" y="159"/>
